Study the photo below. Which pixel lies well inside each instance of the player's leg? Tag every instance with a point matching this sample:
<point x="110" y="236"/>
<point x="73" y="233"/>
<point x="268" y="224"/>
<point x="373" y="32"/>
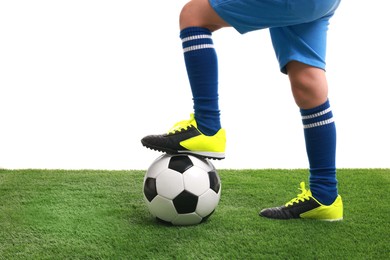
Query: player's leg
<point x="197" y="22"/>
<point x="304" y="62"/>
<point x="310" y="90"/>
<point x="202" y="134"/>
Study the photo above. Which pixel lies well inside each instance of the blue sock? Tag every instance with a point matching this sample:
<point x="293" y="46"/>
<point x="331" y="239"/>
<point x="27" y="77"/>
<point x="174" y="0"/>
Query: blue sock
<point x="202" y="69"/>
<point x="320" y="137"/>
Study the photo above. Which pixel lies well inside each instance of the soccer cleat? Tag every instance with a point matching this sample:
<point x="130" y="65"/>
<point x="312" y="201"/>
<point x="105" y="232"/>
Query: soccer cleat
<point x="306" y="206"/>
<point x="185" y="137"/>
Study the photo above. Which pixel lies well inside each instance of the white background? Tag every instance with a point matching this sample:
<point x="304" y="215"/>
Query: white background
<point x="81" y="82"/>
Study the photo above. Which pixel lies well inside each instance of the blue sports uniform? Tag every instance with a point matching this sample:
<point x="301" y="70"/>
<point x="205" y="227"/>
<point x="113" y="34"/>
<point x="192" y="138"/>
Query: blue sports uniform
<point x="298" y="27"/>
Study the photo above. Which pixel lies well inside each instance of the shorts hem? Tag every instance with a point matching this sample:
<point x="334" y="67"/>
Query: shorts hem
<point x="310" y="62"/>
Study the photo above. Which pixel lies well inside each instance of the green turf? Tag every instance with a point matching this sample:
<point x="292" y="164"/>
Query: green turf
<point x="57" y="214"/>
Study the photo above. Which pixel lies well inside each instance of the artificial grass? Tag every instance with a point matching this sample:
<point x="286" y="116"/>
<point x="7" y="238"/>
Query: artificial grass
<point x="59" y="214"/>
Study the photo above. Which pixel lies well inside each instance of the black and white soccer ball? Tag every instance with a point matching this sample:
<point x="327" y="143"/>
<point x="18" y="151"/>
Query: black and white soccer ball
<point x="182" y="189"/>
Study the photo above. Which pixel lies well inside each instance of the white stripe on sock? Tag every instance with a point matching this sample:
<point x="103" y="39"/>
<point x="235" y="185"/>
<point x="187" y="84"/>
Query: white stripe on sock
<point x="198" y="47"/>
<point x="317" y="114"/>
<point x="321" y="123"/>
<point x="195" y="37"/>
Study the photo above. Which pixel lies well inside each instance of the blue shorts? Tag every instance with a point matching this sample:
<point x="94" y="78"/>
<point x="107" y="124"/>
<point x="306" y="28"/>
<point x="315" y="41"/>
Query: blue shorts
<point x="298" y="28"/>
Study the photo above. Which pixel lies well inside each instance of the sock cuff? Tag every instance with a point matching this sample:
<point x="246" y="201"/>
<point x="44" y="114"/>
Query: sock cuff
<point x="196" y="39"/>
<point x="318" y="116"/>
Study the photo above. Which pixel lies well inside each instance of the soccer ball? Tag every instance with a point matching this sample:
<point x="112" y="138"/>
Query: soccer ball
<point x="182" y="189"/>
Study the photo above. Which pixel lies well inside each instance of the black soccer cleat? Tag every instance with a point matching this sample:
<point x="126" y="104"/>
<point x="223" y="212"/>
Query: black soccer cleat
<point x="186" y="138"/>
<point x="306" y="206"/>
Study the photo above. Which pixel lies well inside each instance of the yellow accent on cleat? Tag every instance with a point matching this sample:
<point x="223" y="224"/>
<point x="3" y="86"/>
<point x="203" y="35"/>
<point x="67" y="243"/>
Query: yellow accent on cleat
<point x="211" y="145"/>
<point x="203" y="145"/>
<point x="333" y="212"/>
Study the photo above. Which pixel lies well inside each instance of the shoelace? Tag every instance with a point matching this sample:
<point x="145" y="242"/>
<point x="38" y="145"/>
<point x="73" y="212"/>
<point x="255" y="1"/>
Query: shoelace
<point x="182" y="125"/>
<point x="300" y="197"/>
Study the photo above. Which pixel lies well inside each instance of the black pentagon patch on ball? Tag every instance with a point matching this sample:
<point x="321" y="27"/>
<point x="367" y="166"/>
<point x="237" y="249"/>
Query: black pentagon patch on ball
<point x="180" y="163"/>
<point x="185" y="202"/>
<point x="150" y="189"/>
<point x="215" y="182"/>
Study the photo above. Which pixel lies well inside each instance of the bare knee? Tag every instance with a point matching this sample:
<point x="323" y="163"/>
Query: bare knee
<point x="308" y="84"/>
<point x="199" y="13"/>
